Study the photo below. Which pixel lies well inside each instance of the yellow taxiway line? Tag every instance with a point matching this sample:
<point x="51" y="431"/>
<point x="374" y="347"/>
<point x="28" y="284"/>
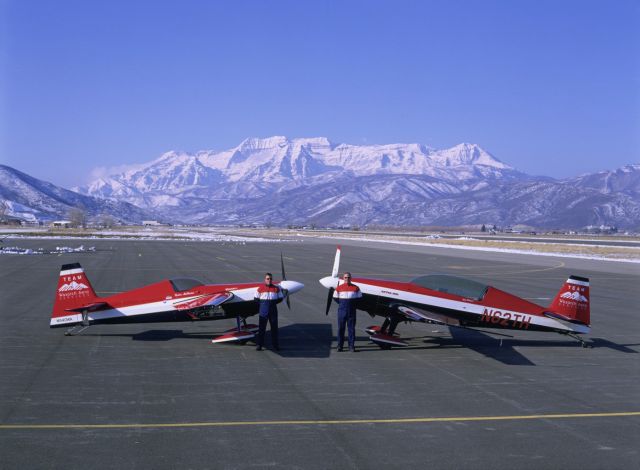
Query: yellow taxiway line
<point x="320" y="422"/>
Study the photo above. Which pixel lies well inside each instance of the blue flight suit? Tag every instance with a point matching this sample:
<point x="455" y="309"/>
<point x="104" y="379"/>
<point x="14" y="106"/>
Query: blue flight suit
<point x="268" y="298"/>
<point x="347" y="295"/>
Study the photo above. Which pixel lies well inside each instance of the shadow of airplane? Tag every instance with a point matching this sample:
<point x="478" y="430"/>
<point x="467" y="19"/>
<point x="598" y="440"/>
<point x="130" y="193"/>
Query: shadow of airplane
<point x="497" y="348"/>
<point x="467" y="339"/>
<point x="604" y="343"/>
<point x="296" y="340"/>
<point x="315" y="340"/>
<point x="157" y="335"/>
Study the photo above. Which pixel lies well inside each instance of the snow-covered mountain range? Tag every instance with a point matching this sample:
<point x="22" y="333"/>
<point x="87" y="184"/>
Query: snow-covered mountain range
<point x="261" y="167"/>
<point x="313" y="181"/>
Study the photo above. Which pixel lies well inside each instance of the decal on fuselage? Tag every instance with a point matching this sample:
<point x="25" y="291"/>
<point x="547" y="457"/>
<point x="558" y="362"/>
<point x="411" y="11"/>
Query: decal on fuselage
<point x="506" y="319"/>
<point x="68" y="319"/>
<point x="574" y="296"/>
<point x="389" y="292"/>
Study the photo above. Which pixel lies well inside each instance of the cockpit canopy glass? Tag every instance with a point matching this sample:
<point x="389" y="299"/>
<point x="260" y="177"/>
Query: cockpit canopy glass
<point x="184" y="283"/>
<point x="452" y="285"/>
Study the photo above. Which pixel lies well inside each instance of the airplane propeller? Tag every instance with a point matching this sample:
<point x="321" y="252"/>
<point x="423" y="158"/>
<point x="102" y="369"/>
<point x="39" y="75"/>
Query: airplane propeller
<point x="329" y="299"/>
<point x="334" y="273"/>
<point x="284" y="278"/>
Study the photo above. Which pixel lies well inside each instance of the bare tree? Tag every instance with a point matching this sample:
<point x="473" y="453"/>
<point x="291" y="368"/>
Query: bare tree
<point x="107" y="221"/>
<point x="78" y="217"/>
<point x="3" y="210"/>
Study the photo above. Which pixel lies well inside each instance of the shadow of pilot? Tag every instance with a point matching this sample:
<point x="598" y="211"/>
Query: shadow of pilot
<point x="268" y="296"/>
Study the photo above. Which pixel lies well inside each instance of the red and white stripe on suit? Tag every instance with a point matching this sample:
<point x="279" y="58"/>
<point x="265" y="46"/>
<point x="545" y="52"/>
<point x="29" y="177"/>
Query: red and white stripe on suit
<point x="347" y="291"/>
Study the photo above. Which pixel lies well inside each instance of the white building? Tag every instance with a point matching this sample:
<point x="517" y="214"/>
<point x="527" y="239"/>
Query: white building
<point x="61" y="223"/>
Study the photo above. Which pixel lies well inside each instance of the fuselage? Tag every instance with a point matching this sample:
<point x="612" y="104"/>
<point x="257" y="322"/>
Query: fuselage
<point x="164" y="301"/>
<point x="492" y="308"/>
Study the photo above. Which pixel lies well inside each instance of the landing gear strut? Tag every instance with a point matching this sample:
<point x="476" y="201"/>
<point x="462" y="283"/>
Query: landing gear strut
<point x="77" y="329"/>
<point x="582" y="342"/>
<point x="392" y="324"/>
<point x="384" y="336"/>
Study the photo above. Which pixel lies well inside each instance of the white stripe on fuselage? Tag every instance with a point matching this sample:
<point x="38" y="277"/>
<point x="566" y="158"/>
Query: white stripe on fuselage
<point x="71" y="271"/>
<point x="240" y="295"/>
<point x="399" y="295"/>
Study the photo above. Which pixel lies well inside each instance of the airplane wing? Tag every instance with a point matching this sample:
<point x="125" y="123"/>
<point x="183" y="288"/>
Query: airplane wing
<point x="92" y="307"/>
<point x="204" y="300"/>
<point x="415" y="314"/>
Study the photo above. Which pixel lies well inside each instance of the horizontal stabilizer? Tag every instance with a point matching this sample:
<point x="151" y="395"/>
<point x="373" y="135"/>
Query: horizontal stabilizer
<point x="559" y="316"/>
<point x="92" y="307"/>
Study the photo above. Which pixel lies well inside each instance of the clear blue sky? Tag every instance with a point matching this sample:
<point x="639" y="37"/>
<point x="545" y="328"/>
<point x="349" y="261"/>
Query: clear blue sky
<point x="550" y="87"/>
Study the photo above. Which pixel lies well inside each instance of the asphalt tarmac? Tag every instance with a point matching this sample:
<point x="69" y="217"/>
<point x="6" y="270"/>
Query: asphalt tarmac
<point x="161" y="396"/>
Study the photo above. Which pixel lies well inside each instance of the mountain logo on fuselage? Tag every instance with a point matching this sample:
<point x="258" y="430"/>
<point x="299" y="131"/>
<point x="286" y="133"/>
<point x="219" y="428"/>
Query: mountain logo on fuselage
<point x="575" y="295"/>
<point x="72" y="286"/>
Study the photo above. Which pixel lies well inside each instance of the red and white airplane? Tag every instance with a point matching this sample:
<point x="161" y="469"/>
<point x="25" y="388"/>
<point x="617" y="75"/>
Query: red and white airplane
<point x="181" y="299"/>
<point x="457" y="302"/>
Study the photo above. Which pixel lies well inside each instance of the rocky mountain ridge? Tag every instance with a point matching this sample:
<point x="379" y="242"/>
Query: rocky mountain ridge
<point x="285" y="181"/>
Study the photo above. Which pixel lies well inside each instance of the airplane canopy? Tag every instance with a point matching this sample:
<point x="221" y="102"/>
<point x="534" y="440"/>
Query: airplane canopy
<point x="184" y="283"/>
<point x="452" y="285"/>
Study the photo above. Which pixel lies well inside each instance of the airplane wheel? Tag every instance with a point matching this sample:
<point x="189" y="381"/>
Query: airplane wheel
<point x="384" y="346"/>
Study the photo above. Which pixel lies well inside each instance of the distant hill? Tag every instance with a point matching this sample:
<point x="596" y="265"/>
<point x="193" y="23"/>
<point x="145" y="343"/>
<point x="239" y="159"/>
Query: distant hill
<point x="31" y="199"/>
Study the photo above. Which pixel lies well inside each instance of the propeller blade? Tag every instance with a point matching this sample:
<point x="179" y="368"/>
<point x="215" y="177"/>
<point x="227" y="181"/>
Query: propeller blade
<point x="284" y="275"/>
<point x="284" y="278"/>
<point x="329" y="299"/>
<point x="336" y="263"/>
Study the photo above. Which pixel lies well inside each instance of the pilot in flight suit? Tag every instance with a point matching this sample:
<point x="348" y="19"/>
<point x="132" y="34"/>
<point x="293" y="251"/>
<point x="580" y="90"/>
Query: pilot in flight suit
<point x="268" y="296"/>
<point x="347" y="295"/>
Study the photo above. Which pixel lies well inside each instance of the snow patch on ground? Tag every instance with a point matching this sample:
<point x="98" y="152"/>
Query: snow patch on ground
<point x="498" y="250"/>
<point x="150" y="234"/>
<point x="16" y="250"/>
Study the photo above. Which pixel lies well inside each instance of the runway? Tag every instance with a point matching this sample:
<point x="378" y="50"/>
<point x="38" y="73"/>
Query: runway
<point x="162" y="396"/>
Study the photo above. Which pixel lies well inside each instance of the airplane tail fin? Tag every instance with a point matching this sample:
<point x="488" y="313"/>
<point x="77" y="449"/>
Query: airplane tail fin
<point x="572" y="301"/>
<point x="74" y="291"/>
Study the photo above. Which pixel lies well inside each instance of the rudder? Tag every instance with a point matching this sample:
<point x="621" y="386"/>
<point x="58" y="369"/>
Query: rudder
<point x="74" y="290"/>
<point x="572" y="301"/>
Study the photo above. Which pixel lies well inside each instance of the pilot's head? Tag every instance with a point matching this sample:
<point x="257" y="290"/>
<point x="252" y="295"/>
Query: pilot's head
<point x="268" y="278"/>
<point x="347" y="277"/>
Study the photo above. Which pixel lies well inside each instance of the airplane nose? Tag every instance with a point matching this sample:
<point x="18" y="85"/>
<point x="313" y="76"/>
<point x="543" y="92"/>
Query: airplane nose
<point x="329" y="282"/>
<point x="292" y="286"/>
